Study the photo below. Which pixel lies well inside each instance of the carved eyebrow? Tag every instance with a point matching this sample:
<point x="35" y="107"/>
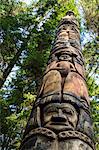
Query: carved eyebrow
<point x="51" y="108"/>
<point x="68" y="109"/>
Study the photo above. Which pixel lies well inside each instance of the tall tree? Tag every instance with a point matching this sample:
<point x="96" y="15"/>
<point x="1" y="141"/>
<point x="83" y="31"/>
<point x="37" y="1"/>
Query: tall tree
<point x="90" y="51"/>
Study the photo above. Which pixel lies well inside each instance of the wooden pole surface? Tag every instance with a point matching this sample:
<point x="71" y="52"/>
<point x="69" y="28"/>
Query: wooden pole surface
<point x="60" y="118"/>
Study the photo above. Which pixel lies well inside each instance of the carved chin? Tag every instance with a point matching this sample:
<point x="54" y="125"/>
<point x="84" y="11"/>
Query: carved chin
<point x="59" y="126"/>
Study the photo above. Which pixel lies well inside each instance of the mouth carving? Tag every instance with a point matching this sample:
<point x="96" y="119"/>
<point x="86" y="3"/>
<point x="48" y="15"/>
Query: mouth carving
<point x="59" y="123"/>
<point x="60" y="126"/>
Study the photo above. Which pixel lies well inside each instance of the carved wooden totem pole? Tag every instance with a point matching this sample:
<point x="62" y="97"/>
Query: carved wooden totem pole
<point x="60" y="118"/>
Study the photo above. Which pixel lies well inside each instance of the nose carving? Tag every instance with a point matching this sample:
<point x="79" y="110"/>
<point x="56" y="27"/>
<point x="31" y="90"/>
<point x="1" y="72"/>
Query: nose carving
<point x="58" y="119"/>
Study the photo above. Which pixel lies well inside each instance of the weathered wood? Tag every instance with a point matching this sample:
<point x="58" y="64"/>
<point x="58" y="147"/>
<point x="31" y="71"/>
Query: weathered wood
<point x="60" y="118"/>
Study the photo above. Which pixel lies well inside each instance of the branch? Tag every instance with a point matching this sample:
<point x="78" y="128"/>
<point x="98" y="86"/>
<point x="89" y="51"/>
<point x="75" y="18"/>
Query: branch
<point x="13" y="62"/>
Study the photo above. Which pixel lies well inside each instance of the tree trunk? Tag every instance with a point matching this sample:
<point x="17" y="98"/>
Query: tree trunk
<point x="60" y="118"/>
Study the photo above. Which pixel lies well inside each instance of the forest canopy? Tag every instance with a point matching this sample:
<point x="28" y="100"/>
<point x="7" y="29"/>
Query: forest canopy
<point x="27" y="32"/>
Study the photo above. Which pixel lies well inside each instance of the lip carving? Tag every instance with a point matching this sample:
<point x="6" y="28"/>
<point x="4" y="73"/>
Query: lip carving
<point x="59" y="123"/>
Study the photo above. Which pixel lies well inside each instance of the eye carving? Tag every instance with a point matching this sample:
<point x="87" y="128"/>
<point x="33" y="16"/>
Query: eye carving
<point x="69" y="112"/>
<point x="54" y="110"/>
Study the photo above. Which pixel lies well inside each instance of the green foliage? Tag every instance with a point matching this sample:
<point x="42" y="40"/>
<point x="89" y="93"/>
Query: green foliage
<point x="13" y="118"/>
<point x="27" y="33"/>
<point x="91" y="12"/>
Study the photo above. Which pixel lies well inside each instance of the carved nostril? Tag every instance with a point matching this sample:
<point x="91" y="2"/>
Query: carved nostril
<point x="58" y="119"/>
<point x="67" y="31"/>
<point x="58" y="65"/>
<point x="71" y="66"/>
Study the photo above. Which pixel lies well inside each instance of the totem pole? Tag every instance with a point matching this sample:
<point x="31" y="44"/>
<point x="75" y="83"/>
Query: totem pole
<point x="60" y="118"/>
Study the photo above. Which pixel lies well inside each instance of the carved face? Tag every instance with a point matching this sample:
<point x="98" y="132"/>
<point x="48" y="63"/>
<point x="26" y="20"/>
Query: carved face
<point x="60" y="116"/>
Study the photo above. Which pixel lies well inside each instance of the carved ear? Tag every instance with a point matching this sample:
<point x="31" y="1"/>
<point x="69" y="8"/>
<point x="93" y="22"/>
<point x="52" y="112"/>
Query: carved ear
<point x="34" y="120"/>
<point x="38" y="119"/>
<point x="85" y="123"/>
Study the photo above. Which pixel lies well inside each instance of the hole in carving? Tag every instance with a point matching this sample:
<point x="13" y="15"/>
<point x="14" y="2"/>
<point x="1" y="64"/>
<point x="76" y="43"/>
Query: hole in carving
<point x="38" y="129"/>
<point x="76" y="133"/>
<point x="49" y="133"/>
<point x="81" y="135"/>
<point x="81" y="146"/>
<point x="63" y="134"/>
<point x="70" y="133"/>
<point x="44" y="130"/>
<point x="86" y="138"/>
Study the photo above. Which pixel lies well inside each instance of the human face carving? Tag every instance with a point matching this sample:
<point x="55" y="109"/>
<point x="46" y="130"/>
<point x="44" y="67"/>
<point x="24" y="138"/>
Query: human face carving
<point x="60" y="116"/>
